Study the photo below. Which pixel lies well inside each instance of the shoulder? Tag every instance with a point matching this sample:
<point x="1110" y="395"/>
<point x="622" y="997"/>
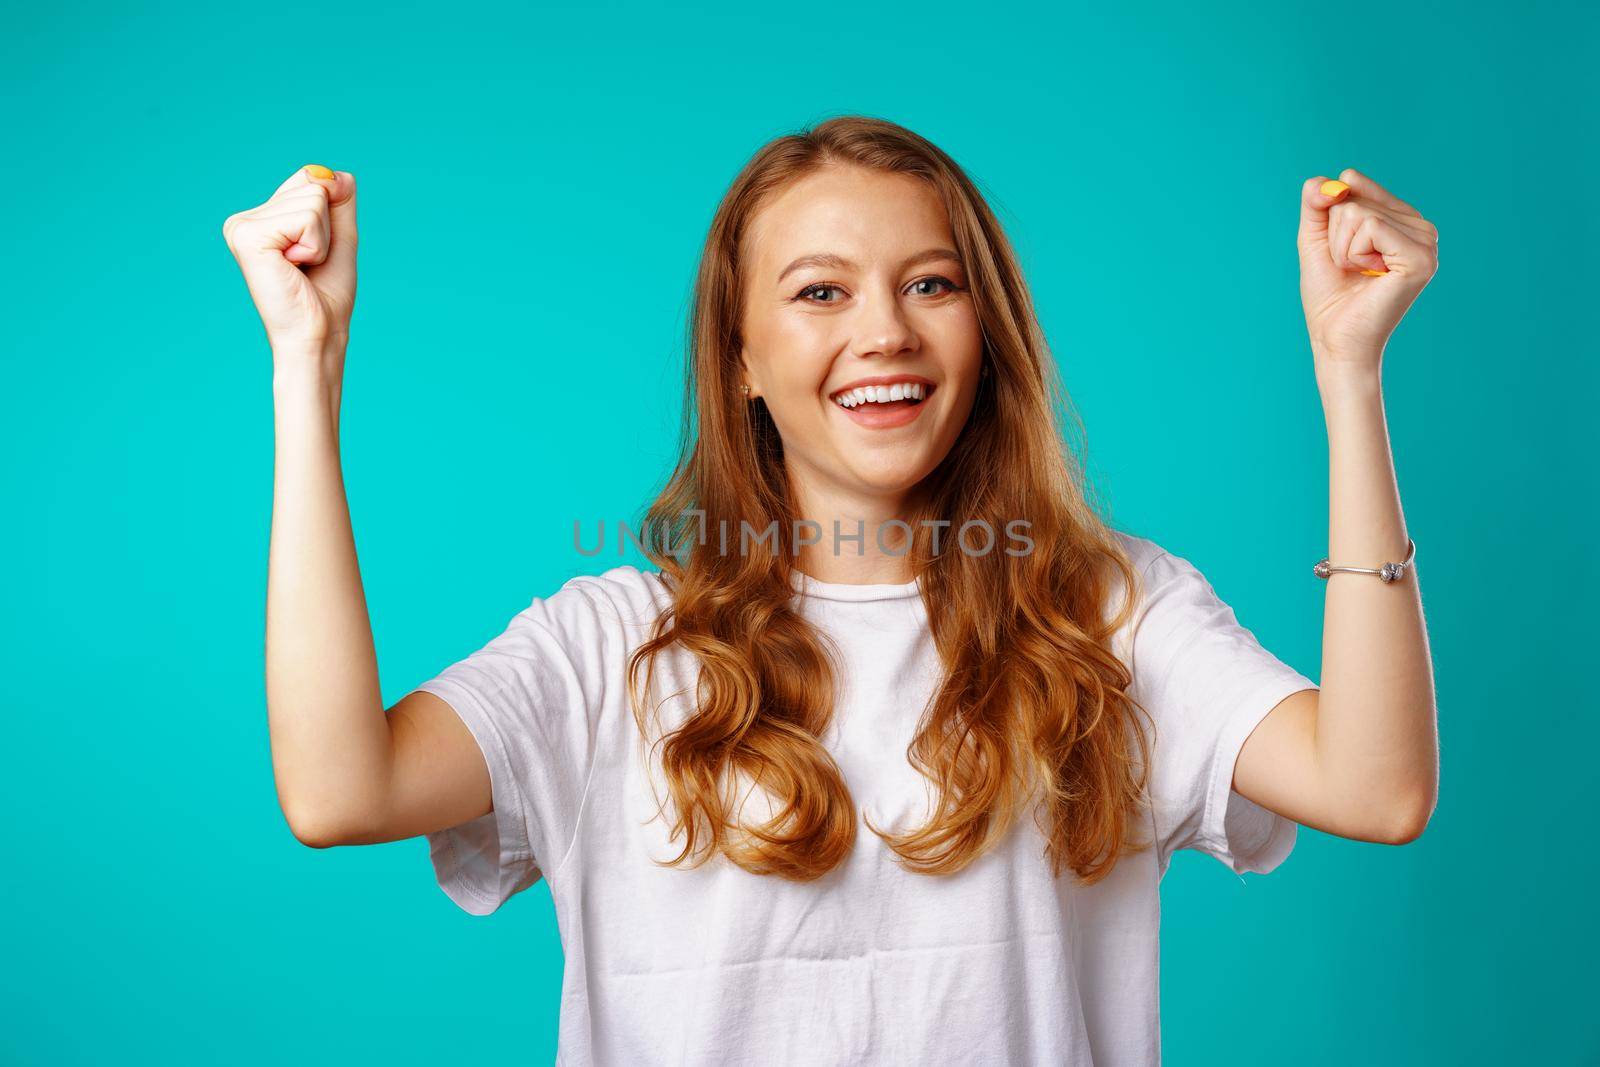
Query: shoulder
<point x="1172" y="597"/>
<point x="1153" y="568"/>
<point x="1143" y="552"/>
<point x="1179" y="618"/>
<point x="591" y="618"/>
<point x="1162" y="571"/>
<point x="623" y="594"/>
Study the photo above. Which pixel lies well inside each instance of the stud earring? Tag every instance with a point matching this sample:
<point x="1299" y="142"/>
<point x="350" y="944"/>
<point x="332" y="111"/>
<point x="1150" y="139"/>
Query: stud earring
<point x="745" y="389"/>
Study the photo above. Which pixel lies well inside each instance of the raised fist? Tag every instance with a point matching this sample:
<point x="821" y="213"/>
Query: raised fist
<point x="297" y="252"/>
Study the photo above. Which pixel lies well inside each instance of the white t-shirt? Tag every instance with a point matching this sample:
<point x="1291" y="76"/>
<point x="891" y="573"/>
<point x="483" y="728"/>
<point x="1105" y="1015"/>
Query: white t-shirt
<point x="1000" y="963"/>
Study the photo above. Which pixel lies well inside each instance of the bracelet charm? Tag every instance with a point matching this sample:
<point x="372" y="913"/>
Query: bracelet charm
<point x="1389" y="572"/>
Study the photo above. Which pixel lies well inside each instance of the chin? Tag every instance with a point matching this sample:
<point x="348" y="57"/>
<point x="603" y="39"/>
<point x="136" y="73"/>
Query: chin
<point x="899" y="478"/>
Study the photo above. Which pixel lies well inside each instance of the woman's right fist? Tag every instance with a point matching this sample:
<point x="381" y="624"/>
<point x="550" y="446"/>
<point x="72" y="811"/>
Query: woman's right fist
<point x="297" y="252"/>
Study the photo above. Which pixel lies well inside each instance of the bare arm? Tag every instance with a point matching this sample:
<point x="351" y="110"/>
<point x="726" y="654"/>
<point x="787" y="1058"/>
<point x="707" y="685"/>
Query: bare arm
<point x="436" y="775"/>
<point x="1360" y="759"/>
<point x="330" y="737"/>
<point x="346" y="772"/>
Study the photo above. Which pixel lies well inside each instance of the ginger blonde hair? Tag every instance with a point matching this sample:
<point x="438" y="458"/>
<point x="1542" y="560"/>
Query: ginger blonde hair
<point x="1033" y="703"/>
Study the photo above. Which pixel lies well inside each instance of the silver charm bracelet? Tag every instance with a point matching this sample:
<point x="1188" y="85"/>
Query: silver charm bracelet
<point x="1389" y="572"/>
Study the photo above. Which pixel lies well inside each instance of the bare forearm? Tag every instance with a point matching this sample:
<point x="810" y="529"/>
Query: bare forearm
<point x="329" y="733"/>
<point x="1376" y="737"/>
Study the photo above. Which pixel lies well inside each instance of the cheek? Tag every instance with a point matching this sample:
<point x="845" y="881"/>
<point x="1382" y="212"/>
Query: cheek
<point x="961" y="340"/>
<point x="800" y="357"/>
<point x="793" y="385"/>
<point x="788" y="328"/>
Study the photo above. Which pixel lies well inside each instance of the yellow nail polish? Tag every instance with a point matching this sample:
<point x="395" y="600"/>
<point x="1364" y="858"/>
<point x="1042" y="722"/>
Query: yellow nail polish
<point x="1375" y="273"/>
<point x="1333" y="187"/>
<point x="317" y="170"/>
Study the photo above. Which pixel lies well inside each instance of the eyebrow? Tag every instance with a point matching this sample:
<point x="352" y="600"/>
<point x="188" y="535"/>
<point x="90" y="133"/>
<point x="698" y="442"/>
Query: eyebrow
<point x="828" y="259"/>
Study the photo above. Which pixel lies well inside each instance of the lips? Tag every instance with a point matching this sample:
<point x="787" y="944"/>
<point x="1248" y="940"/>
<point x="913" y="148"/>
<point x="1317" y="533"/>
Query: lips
<point x="884" y="401"/>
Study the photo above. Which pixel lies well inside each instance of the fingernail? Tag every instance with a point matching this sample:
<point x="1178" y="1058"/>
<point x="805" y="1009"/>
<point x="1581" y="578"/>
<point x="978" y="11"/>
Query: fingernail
<point x="317" y="170"/>
<point x="1375" y="273"/>
<point x="1333" y="187"/>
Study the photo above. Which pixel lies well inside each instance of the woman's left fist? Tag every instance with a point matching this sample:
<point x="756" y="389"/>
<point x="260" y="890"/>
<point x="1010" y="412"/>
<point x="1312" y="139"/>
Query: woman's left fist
<point x="1365" y="254"/>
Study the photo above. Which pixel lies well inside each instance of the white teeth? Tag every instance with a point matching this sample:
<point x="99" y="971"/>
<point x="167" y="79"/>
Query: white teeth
<point x="880" y="394"/>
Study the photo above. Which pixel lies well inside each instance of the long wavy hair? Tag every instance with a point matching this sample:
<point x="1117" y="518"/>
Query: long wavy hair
<point x="1033" y="702"/>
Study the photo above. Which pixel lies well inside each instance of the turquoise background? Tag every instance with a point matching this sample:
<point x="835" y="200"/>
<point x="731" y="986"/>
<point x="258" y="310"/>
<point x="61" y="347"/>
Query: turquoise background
<point x="535" y="186"/>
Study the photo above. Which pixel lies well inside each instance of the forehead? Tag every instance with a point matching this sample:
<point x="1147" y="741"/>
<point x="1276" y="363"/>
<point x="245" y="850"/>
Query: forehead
<point x="850" y="211"/>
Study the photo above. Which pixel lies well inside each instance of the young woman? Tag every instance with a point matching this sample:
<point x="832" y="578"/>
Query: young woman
<point x="884" y="759"/>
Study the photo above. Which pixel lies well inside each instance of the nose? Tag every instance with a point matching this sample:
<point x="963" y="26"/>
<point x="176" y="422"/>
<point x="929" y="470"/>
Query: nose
<point x="882" y="328"/>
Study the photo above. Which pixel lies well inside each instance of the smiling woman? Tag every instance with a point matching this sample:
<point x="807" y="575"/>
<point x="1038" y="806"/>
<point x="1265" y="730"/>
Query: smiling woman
<point x="887" y="301"/>
<point x="794" y="799"/>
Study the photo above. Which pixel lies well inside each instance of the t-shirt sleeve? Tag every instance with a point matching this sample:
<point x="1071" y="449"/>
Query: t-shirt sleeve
<point x="529" y="698"/>
<point x="1207" y="682"/>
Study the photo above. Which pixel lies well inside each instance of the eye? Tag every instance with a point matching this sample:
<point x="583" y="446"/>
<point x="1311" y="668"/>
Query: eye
<point x="946" y="282"/>
<point x="820" y="286"/>
<point x="949" y="285"/>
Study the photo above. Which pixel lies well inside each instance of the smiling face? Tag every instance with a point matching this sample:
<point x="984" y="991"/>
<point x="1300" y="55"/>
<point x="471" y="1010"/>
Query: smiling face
<point x="859" y="335"/>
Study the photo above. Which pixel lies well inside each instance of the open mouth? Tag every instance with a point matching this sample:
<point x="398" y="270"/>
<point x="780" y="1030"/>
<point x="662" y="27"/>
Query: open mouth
<point x="884" y="397"/>
<point x="882" y="407"/>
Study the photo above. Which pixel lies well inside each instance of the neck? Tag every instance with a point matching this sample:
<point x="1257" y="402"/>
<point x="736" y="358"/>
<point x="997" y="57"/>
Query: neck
<point x="855" y="556"/>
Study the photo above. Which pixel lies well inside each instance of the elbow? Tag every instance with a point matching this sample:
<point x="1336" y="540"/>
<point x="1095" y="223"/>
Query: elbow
<point x="1411" y="819"/>
<point x="313" y="832"/>
<point x="313" y="839"/>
